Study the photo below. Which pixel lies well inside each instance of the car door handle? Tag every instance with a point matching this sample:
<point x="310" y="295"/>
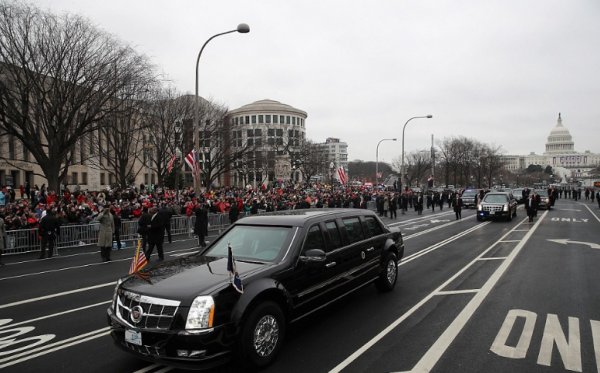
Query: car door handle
<point x="370" y="249"/>
<point x="330" y="264"/>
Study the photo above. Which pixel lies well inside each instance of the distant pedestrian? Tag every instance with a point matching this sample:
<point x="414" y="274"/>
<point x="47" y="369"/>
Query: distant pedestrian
<point x="117" y="222"/>
<point x="144" y="227"/>
<point x="531" y="206"/>
<point x="457" y="205"/>
<point x="393" y="206"/>
<point x="598" y="198"/>
<point x="201" y="224"/>
<point x="166" y="213"/>
<point x="156" y="235"/>
<point x="49" y="230"/>
<point x="105" y="232"/>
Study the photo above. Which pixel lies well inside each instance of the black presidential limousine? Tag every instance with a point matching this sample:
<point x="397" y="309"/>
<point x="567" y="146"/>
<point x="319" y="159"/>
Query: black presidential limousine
<point x="187" y="312"/>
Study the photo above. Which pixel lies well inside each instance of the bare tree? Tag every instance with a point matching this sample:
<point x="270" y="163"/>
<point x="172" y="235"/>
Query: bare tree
<point x="60" y="79"/>
<point x="418" y="166"/>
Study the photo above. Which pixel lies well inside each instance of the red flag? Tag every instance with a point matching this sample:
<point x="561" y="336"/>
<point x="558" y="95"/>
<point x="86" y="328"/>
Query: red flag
<point x="139" y="259"/>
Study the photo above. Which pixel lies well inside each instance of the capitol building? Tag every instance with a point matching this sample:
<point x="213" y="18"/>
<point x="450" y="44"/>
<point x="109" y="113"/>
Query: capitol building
<point x="560" y="154"/>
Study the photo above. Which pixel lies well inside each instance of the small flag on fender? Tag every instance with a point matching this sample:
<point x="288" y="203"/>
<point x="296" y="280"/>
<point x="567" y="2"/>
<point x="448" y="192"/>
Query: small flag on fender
<point x="234" y="277"/>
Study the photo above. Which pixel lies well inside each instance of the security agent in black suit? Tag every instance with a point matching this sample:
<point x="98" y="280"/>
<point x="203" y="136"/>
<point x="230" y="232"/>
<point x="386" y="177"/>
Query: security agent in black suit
<point x="144" y="228"/>
<point x="49" y="230"/>
<point x="156" y="235"/>
<point x="165" y="214"/>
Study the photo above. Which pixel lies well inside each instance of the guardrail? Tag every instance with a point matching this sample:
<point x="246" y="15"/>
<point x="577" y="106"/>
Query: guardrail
<point x="28" y="240"/>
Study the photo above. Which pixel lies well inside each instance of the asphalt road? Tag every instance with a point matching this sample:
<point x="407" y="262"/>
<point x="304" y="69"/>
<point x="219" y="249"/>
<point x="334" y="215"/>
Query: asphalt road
<point x="472" y="297"/>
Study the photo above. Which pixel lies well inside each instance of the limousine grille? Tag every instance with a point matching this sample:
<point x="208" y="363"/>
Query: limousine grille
<point x="157" y="313"/>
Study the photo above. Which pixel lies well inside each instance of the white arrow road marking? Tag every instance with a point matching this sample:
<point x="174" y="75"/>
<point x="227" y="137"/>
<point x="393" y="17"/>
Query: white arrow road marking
<point x="566" y="241"/>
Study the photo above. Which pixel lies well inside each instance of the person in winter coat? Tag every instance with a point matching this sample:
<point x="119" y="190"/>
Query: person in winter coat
<point x="144" y="228"/>
<point x="531" y="205"/>
<point x="117" y="222"/>
<point x="105" y="233"/>
<point x="48" y="229"/>
<point x="156" y="235"/>
<point x="457" y="205"/>
<point x="201" y="225"/>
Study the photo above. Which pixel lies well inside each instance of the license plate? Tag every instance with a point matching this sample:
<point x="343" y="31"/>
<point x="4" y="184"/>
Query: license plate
<point x="133" y="337"/>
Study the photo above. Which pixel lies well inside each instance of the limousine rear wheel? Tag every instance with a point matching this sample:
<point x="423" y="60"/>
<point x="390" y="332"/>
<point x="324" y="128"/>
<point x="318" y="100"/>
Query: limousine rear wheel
<point x="389" y="276"/>
<point x="263" y="333"/>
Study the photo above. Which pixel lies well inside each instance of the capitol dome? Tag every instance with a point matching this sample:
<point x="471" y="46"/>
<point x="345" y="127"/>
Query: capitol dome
<point x="560" y="140"/>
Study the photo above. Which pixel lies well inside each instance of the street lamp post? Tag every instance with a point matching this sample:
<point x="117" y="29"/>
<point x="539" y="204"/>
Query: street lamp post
<point x="377" y="159"/>
<point x="178" y="143"/>
<point x="241" y="28"/>
<point x="403" y="128"/>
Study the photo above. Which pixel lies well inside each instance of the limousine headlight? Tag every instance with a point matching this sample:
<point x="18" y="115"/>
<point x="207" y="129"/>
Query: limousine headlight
<point x="201" y="313"/>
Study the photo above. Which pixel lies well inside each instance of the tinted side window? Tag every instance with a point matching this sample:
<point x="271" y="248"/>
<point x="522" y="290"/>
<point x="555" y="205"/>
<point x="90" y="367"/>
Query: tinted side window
<point x="373" y="226"/>
<point x="334" y="234"/>
<point x="353" y="229"/>
<point x="314" y="239"/>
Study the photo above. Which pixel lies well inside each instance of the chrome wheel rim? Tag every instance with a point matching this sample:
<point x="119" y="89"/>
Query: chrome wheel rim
<point x="266" y="335"/>
<point x="391" y="271"/>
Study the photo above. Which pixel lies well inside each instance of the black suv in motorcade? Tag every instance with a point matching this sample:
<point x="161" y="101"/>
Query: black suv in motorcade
<point x="187" y="312"/>
<point x="497" y="205"/>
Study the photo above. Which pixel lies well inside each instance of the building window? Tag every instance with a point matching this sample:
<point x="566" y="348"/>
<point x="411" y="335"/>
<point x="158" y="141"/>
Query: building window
<point x="250" y="142"/>
<point x="74" y="180"/>
<point x="254" y="119"/>
<point x="271" y="132"/>
<point x="267" y="119"/>
<point x="271" y="141"/>
<point x="294" y="121"/>
<point x="11" y="147"/>
<point x="287" y="119"/>
<point x="258" y="132"/>
<point x="84" y="178"/>
<point x="260" y="119"/>
<point x="275" y="117"/>
<point x="249" y="133"/>
<point x="259" y="142"/>
<point x="281" y="119"/>
<point x="102" y="178"/>
<point x="247" y="120"/>
<point x="279" y="132"/>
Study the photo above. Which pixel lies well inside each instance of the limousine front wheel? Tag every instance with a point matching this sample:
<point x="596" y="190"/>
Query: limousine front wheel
<point x="263" y="334"/>
<point x="389" y="276"/>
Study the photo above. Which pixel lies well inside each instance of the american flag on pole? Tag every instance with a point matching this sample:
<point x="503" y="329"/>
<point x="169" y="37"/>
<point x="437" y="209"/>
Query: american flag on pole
<point x="171" y="163"/>
<point x="192" y="160"/>
<point x="234" y="277"/>
<point x="342" y="175"/>
<point x="139" y="259"/>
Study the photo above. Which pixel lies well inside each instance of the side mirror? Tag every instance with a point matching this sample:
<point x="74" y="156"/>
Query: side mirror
<point x="313" y="256"/>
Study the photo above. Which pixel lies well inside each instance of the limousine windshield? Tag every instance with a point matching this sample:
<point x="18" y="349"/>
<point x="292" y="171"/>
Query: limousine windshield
<point x="252" y="242"/>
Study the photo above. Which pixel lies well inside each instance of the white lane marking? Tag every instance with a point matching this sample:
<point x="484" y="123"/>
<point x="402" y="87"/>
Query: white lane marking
<point x="456" y="292"/>
<point x="87" y="253"/>
<point x="165" y="369"/>
<point x="435" y="352"/>
<point x="493" y="258"/>
<point x="591" y="212"/>
<point x="596" y="338"/>
<point x="52" y="347"/>
<point x="418" y="219"/>
<point x="457" y="324"/>
<point x="499" y="346"/>
<point x="56" y="314"/>
<point x="55" y="295"/>
<point x="570" y="350"/>
<point x="63" y="269"/>
<point x="441" y="243"/>
<point x="430" y="230"/>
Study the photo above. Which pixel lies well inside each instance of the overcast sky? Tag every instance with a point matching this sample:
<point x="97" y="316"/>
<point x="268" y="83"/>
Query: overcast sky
<point x="498" y="71"/>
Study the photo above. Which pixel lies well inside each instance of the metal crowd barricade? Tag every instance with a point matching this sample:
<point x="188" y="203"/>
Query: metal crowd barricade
<point x="28" y="240"/>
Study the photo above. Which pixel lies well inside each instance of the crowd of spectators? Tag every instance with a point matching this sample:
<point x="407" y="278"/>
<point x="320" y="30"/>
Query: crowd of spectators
<point x="24" y="208"/>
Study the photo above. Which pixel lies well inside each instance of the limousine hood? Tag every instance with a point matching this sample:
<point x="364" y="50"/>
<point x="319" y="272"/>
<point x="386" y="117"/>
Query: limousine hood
<point x="185" y="278"/>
